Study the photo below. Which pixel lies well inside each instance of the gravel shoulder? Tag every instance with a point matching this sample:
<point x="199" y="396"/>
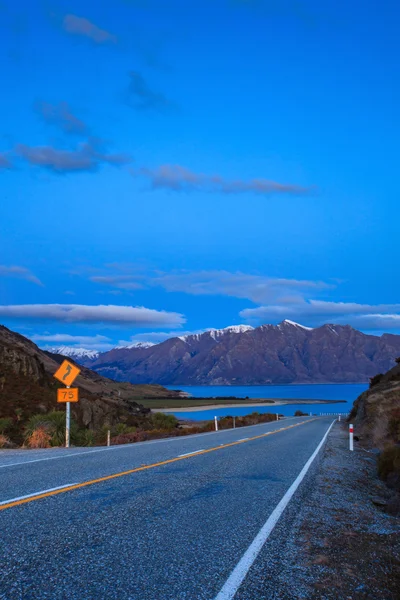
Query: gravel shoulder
<point x="343" y="543"/>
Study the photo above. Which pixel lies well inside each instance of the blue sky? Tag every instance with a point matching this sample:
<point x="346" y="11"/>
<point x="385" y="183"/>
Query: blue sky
<point x="174" y="166"/>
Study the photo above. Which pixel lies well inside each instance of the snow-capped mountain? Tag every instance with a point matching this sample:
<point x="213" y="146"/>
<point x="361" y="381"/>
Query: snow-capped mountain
<point x="243" y="355"/>
<point x="78" y="354"/>
<point x="216" y="333"/>
<point x="137" y="345"/>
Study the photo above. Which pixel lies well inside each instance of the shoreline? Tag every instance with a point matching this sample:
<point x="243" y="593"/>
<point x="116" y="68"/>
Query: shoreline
<point x="267" y="403"/>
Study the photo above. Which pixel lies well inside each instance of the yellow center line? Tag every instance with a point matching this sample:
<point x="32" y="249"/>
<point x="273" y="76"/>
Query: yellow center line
<point x="77" y="486"/>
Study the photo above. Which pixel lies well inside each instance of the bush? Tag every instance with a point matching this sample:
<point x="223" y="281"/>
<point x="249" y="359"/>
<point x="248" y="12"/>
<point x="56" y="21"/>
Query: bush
<point x="163" y="421"/>
<point x="300" y="413"/>
<point x="375" y="379"/>
<point x="54" y="423"/>
<point x="39" y="438"/>
<point x="5" y="424"/>
<point x="4" y="441"/>
<point x="389" y="466"/>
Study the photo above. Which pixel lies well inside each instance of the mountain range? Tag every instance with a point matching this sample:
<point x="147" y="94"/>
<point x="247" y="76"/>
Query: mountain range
<point x="243" y="355"/>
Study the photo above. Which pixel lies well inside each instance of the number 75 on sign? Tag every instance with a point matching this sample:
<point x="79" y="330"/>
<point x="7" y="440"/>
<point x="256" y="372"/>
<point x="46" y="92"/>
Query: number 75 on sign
<point x="67" y="395"/>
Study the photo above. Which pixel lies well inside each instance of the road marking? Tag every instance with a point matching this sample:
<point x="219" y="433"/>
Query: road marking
<point x="238" y="574"/>
<point x="77" y="486"/>
<point x="190" y="453"/>
<point x="60" y="487"/>
<point x="126" y="446"/>
<point x="244" y="439"/>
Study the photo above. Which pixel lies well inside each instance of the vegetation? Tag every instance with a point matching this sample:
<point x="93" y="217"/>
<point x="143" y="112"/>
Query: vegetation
<point x="300" y="413"/>
<point x="48" y="430"/>
<point x="375" y="379"/>
<point x="389" y="466"/>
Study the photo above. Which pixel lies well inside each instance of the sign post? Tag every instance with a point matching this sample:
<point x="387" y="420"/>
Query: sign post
<point x="67" y="374"/>
<point x="67" y="422"/>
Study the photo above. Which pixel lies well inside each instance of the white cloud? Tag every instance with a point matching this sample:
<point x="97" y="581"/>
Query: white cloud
<point x="257" y="288"/>
<point x="80" y="313"/>
<point x="317" y="312"/>
<point x="20" y="273"/>
<point x="65" y="338"/>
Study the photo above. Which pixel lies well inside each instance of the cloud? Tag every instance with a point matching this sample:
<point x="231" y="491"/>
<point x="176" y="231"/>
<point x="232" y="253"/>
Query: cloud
<point x="65" y="338"/>
<point x="178" y="178"/>
<point x="123" y="282"/>
<point x="61" y="116"/>
<point x="86" y="157"/>
<point x="257" y="288"/>
<point x="81" y="313"/>
<point x="316" y="312"/>
<point x="140" y="96"/>
<point x="20" y="273"/>
<point x="5" y="162"/>
<point x="81" y="26"/>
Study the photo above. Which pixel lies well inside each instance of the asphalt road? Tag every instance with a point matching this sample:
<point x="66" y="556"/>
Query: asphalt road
<point x="173" y="526"/>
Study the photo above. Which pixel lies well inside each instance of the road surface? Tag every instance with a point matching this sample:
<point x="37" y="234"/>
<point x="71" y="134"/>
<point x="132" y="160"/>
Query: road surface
<point x="162" y="520"/>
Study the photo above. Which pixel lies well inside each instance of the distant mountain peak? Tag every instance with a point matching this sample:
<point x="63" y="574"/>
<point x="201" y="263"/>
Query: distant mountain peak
<point x="76" y="353"/>
<point x="136" y="345"/>
<point x="216" y="333"/>
<point x="289" y="322"/>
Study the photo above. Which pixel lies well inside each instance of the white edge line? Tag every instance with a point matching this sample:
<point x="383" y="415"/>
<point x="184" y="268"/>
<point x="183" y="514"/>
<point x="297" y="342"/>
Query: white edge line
<point x="189" y="453"/>
<point x="125" y="446"/>
<point x="238" y="574"/>
<point x="60" y="487"/>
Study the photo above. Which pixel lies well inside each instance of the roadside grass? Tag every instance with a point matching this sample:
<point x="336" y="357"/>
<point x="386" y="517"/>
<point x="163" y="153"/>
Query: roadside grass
<point x="48" y="430"/>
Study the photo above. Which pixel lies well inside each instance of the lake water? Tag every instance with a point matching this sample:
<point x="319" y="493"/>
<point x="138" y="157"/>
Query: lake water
<point x="331" y="392"/>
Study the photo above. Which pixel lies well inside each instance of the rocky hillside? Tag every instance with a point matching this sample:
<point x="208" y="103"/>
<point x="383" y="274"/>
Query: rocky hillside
<point x="27" y="386"/>
<point x="376" y="413"/>
<point x="376" y="417"/>
<point x="284" y="353"/>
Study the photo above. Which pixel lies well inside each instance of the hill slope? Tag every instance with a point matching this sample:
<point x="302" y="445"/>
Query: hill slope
<point x="27" y="386"/>
<point x="285" y="353"/>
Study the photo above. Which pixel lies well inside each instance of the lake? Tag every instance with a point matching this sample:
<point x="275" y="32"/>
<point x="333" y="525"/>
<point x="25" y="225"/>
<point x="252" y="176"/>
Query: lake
<point x="326" y="391"/>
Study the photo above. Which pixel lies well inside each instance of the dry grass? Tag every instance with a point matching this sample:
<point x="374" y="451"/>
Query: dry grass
<point x="40" y="438"/>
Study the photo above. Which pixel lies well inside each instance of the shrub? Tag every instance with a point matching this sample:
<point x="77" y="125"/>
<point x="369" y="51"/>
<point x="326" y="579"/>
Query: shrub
<point x="4" y="441"/>
<point x="300" y="413"/>
<point x="394" y="425"/>
<point x="39" y="438"/>
<point x="389" y="466"/>
<point x="86" y="437"/>
<point x="163" y="421"/>
<point x="54" y="423"/>
<point x="375" y="379"/>
<point x="5" y="424"/>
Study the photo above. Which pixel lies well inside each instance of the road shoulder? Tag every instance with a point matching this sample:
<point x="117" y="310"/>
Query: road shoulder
<point x="337" y="543"/>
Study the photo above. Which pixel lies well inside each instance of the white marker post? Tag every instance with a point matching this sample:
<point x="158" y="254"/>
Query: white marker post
<point x="277" y="416"/>
<point x="216" y="423"/>
<point x="351" y="432"/>
<point x="67" y="421"/>
<point x="108" y="438"/>
<point x="234" y="422"/>
<point x="339" y="419"/>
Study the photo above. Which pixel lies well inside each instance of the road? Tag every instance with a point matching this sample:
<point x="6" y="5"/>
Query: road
<point x="169" y="520"/>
